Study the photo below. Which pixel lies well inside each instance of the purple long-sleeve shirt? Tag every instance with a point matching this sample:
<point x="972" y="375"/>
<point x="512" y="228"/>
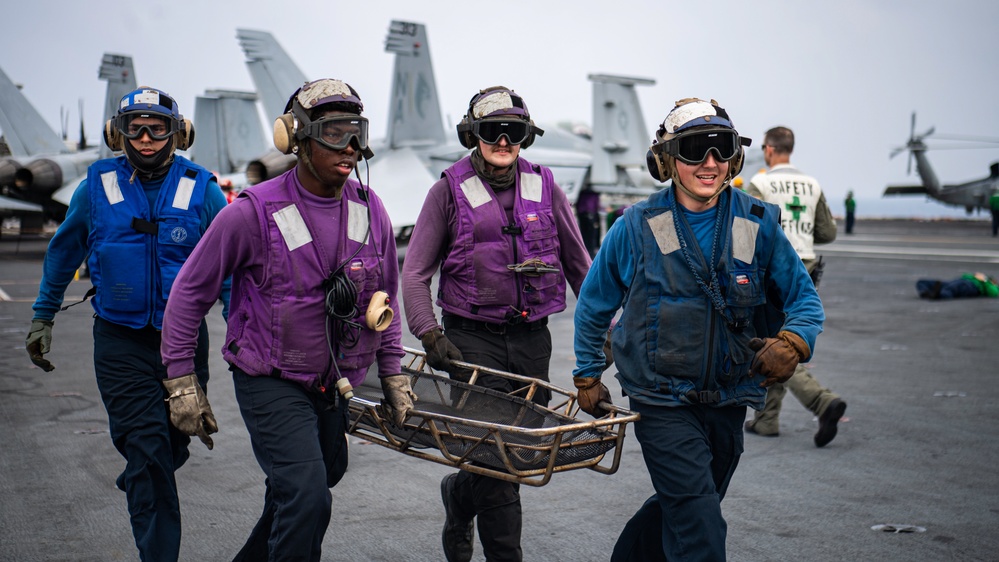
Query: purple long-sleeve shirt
<point x="435" y="233"/>
<point x="234" y="244"/>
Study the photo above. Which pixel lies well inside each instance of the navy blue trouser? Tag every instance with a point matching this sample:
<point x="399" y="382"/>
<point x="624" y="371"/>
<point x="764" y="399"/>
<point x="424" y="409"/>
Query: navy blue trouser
<point x="523" y="350"/>
<point x="130" y="377"/>
<point x="691" y="453"/>
<point x="956" y="289"/>
<point x="299" y="441"/>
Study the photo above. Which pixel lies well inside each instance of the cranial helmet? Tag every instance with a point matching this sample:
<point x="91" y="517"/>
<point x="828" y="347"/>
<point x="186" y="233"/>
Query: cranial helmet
<point x="500" y="108"/>
<point x="299" y="120"/>
<point x="691" y="130"/>
<point x="148" y="102"/>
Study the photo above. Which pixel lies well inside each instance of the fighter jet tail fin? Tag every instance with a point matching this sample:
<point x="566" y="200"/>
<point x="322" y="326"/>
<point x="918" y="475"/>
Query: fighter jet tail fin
<point x="274" y="74"/>
<point x="24" y="129"/>
<point x="620" y="139"/>
<point x="228" y="128"/>
<point x="119" y="73"/>
<point x="414" y="109"/>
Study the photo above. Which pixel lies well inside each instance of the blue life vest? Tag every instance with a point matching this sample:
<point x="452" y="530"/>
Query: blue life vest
<point x="688" y="345"/>
<point x="136" y="252"/>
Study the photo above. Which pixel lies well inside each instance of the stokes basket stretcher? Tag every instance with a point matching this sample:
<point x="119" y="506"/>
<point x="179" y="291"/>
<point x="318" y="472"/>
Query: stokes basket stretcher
<point x="502" y="435"/>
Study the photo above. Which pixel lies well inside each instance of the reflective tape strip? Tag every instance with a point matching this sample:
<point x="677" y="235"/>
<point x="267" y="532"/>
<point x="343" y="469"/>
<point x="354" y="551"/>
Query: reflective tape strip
<point x="664" y="232"/>
<point x="475" y="192"/>
<point x="293" y="229"/>
<point x="744" y="233"/>
<point x="111" y="189"/>
<point x="182" y="198"/>
<point x="357" y="222"/>
<point x="530" y="187"/>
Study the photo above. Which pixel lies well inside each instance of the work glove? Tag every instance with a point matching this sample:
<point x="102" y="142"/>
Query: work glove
<point x="776" y="358"/>
<point x="399" y="398"/>
<point x="591" y="392"/>
<point x="39" y="342"/>
<point x="190" y="411"/>
<point x="441" y="352"/>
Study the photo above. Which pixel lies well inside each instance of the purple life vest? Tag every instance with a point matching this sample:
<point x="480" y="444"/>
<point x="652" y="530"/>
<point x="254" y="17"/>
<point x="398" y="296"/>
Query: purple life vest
<point x="476" y="281"/>
<point x="279" y="326"/>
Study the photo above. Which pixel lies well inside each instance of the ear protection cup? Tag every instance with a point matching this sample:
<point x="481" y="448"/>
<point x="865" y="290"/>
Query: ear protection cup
<point x="185" y="137"/>
<point x="534" y="134"/>
<point x="652" y="163"/>
<point x="112" y="139"/>
<point x="660" y="165"/>
<point x="284" y="133"/>
<point x="736" y="163"/>
<point x="465" y="136"/>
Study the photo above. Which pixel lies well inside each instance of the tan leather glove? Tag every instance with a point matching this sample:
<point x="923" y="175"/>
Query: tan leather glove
<point x="399" y="398"/>
<point x="591" y="392"/>
<point x="39" y="342"/>
<point x="190" y="411"/>
<point x="441" y="352"/>
<point x="776" y="358"/>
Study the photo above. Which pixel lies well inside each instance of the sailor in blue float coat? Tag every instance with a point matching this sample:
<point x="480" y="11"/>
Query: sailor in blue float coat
<point x="716" y="306"/>
<point x="135" y="219"/>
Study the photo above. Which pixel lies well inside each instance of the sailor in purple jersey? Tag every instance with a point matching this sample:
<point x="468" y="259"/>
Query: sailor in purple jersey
<point x="505" y="240"/>
<point x="307" y="252"/>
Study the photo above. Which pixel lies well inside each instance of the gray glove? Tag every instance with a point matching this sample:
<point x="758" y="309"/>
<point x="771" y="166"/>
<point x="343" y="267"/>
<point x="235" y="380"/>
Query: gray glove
<point x="39" y="342"/>
<point x="440" y="353"/>
<point x="190" y="411"/>
<point x="399" y="398"/>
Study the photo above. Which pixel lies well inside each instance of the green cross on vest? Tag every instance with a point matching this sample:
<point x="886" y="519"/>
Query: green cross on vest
<point x="796" y="207"/>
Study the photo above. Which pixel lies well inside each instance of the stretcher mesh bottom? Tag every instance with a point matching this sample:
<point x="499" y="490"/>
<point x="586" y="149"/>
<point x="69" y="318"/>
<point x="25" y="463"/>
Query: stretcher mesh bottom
<point x="516" y="426"/>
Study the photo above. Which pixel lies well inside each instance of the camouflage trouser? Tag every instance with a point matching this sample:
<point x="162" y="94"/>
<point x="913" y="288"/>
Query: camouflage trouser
<point x="804" y="387"/>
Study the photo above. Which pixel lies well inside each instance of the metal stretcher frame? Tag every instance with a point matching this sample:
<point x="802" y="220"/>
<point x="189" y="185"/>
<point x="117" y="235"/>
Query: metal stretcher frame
<point x="525" y="455"/>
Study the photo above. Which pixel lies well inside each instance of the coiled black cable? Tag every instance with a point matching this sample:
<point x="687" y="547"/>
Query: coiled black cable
<point x="341" y="306"/>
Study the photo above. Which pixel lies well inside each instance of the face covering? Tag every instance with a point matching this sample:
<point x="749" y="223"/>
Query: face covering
<point x="498" y="180"/>
<point x="150" y="168"/>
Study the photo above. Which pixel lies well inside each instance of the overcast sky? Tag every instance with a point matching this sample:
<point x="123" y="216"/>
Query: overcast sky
<point x="845" y="75"/>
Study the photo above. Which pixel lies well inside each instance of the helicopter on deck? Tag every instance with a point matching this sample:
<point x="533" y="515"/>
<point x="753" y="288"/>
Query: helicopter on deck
<point x="971" y="195"/>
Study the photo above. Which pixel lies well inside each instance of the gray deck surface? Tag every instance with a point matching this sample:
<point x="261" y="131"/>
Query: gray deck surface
<point x="919" y="445"/>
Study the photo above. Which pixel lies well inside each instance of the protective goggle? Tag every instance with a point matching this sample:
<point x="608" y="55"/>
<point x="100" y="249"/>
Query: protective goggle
<point x="162" y="129"/>
<point x="693" y="147"/>
<point x="337" y="131"/>
<point x="490" y="131"/>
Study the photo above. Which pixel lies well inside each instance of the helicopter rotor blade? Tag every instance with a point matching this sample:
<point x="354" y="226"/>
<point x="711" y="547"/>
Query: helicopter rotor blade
<point x="968" y="138"/>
